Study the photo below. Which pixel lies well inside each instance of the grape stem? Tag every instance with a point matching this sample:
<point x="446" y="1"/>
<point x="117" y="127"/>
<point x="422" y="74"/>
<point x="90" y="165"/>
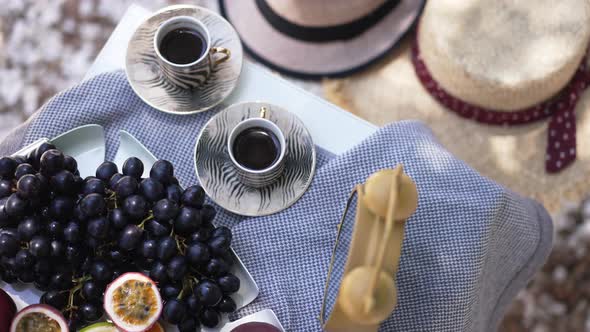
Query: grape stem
<point x="81" y="279"/>
<point x="180" y="243"/>
<point x="78" y="286"/>
<point x="148" y="218"/>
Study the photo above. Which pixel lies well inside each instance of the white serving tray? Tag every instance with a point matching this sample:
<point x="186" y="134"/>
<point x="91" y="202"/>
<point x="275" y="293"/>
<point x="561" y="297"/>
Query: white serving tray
<point x="87" y="145"/>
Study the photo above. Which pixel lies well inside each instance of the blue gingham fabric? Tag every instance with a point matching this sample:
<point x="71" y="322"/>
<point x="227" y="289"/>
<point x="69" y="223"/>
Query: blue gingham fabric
<point x="469" y="248"/>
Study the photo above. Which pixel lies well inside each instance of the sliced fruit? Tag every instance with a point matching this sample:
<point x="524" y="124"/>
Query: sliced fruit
<point x="39" y="317"/>
<point x="133" y="302"/>
<point x="7" y="311"/>
<point x="256" y="327"/>
<point x="156" y="328"/>
<point x="110" y="327"/>
<point x="100" y="327"/>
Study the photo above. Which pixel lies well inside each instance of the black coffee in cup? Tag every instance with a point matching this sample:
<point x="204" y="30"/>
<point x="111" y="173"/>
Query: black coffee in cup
<point x="256" y="148"/>
<point x="182" y="46"/>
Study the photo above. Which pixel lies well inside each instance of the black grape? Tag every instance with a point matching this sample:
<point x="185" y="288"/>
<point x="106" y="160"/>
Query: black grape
<point x="222" y="231"/>
<point x="100" y="271"/>
<point x="98" y="227"/>
<point x="114" y="179"/>
<point x="165" y="210"/>
<point x="170" y="291"/>
<point x="158" y="272"/>
<point x="56" y="299"/>
<point x="193" y="196"/>
<point x="148" y="249"/>
<point x="229" y="283"/>
<point x="197" y="254"/>
<point x="227" y="305"/>
<point x="5" y="188"/>
<point x="166" y="249"/>
<point x="90" y="312"/>
<point x="133" y="167"/>
<point x="174" y="193"/>
<point x="72" y="232"/>
<point x="151" y="189"/>
<point x="61" y="207"/>
<point x="24" y="259"/>
<point x="130" y="237"/>
<point x="174" y="311"/>
<point x="106" y="170"/>
<point x="7" y="167"/>
<point x="209" y="293"/>
<point x="135" y="206"/>
<point x="163" y="171"/>
<point x="63" y="182"/>
<point x="189" y="324"/>
<point x="157" y="229"/>
<point x="93" y="205"/>
<point x="40" y="246"/>
<point x="117" y="218"/>
<point x="16" y="206"/>
<point x="55" y="229"/>
<point x="52" y="161"/>
<point x="93" y="186"/>
<point x="176" y="268"/>
<point x="24" y="169"/>
<point x="219" y="244"/>
<point x="209" y="317"/>
<point x="187" y="221"/>
<point x="126" y="186"/>
<point x="29" y="227"/>
<point x="70" y="164"/>
<point x="8" y="245"/>
<point x="217" y="267"/>
<point x="208" y="213"/>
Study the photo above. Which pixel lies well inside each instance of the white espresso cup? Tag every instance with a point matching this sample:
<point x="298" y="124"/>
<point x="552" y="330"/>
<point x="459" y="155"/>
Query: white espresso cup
<point x="195" y="73"/>
<point x="257" y="177"/>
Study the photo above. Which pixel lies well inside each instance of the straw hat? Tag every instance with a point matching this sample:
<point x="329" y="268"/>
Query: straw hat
<point x="503" y="85"/>
<point x="317" y="38"/>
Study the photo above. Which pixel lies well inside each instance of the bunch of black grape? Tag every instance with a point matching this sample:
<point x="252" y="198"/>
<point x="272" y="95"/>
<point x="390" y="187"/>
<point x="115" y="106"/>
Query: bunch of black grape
<point x="72" y="236"/>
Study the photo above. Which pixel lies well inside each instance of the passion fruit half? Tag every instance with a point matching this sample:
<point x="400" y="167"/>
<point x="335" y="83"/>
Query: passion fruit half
<point x="133" y="302"/>
<point x="39" y="317"/>
<point x="110" y="327"/>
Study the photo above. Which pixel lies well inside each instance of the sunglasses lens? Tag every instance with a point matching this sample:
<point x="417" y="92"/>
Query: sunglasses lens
<point x="339" y="258"/>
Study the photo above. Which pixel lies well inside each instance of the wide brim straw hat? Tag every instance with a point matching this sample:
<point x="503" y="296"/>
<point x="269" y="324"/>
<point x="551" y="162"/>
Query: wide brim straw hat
<point x="503" y="85"/>
<point x="320" y="38"/>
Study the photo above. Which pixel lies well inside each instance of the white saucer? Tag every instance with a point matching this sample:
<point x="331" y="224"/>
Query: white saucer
<point x="220" y="180"/>
<point x="148" y="82"/>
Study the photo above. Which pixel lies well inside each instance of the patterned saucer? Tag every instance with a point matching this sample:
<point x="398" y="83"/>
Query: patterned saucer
<point x="220" y="180"/>
<point x="148" y="82"/>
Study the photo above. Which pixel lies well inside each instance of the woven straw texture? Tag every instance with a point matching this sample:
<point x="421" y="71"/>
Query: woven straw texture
<point x="512" y="156"/>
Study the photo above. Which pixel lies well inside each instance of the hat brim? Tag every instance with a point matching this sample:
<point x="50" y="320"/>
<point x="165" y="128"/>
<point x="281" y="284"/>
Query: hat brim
<point x="514" y="156"/>
<point x="314" y="60"/>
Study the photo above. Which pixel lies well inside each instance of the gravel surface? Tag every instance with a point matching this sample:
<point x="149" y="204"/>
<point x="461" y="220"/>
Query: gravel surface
<point x="47" y="46"/>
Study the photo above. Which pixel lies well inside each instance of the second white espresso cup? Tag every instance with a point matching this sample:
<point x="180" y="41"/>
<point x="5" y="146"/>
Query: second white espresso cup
<point x="253" y="176"/>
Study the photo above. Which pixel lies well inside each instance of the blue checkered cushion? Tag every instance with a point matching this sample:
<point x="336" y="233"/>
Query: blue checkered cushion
<point x="469" y="248"/>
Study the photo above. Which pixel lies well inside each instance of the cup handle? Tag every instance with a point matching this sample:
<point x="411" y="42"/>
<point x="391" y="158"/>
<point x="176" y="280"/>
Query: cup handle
<point x="222" y="50"/>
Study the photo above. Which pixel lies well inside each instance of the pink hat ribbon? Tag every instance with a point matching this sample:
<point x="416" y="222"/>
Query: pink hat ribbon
<point x="561" y="140"/>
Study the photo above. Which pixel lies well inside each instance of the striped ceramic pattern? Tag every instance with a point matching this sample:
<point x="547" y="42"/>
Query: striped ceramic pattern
<point x="261" y="180"/>
<point x="220" y="179"/>
<point x="148" y="80"/>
